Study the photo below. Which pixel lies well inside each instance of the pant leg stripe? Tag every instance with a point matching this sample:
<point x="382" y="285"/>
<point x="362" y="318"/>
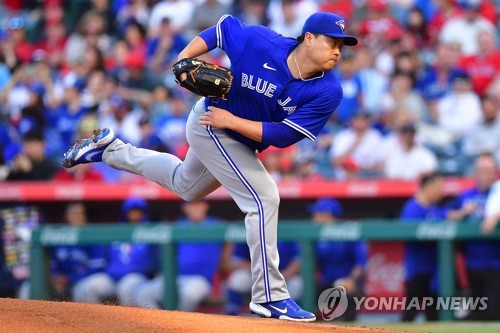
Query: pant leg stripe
<point x="259" y="206"/>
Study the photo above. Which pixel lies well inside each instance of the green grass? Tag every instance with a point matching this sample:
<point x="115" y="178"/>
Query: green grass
<point x="462" y="327"/>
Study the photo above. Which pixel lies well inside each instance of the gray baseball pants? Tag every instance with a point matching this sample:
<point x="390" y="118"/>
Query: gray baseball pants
<point x="214" y="158"/>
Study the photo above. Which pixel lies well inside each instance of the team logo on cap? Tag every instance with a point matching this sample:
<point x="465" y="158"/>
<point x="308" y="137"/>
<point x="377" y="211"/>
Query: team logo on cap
<point x="341" y="24"/>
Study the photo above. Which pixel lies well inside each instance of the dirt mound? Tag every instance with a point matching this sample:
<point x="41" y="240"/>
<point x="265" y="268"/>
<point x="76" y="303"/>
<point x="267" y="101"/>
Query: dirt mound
<point x="41" y="317"/>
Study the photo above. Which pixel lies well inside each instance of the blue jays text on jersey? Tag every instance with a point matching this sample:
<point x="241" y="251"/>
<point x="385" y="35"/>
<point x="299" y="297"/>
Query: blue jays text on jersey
<point x="264" y="89"/>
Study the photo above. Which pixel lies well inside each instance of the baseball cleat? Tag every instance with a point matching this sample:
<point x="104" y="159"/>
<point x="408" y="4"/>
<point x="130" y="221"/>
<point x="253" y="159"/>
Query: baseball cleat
<point x="89" y="150"/>
<point x="286" y="309"/>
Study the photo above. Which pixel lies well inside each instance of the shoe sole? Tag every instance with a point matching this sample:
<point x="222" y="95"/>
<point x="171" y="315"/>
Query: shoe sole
<point x="263" y="312"/>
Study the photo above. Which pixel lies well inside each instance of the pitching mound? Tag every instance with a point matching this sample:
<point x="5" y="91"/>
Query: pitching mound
<point x="41" y="317"/>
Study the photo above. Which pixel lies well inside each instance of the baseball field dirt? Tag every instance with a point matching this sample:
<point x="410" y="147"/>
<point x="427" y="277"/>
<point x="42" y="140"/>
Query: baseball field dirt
<point x="20" y="316"/>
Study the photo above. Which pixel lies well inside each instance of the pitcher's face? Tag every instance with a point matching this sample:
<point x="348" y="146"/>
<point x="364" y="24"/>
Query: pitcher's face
<point x="324" y="51"/>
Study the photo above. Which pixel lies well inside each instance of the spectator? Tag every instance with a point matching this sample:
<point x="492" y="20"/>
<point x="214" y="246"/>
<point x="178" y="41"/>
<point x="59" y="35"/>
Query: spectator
<point x="16" y="94"/>
<point x="416" y="25"/>
<point x="23" y="49"/>
<point x="373" y="83"/>
<point x="93" y="61"/>
<point x="378" y="24"/>
<point x="277" y="161"/>
<point x="91" y="32"/>
<point x="401" y="96"/>
<point x="340" y="263"/>
<point x="5" y="75"/>
<point x="149" y="137"/>
<point x="164" y="46"/>
<point x="485" y="137"/>
<point x="305" y="167"/>
<point x="197" y="264"/>
<point x="179" y="12"/>
<point x="65" y="118"/>
<point x="351" y="86"/>
<point x="104" y="8"/>
<point x="207" y="14"/>
<point x="484" y="66"/>
<point x="254" y="12"/>
<point x="136" y="10"/>
<point x="489" y="10"/>
<point x="407" y="159"/>
<point x="116" y="61"/>
<point x="408" y="63"/>
<point x="94" y="93"/>
<point x="460" y="111"/>
<point x="135" y="36"/>
<point x="120" y="116"/>
<point x="32" y="163"/>
<point x="420" y="257"/>
<point x="160" y="105"/>
<point x="445" y="11"/>
<point x="129" y="264"/>
<point x="355" y="151"/>
<point x="465" y="28"/>
<point x="482" y="258"/>
<point x="73" y="266"/>
<point x="54" y="43"/>
<point x="172" y="128"/>
<point x="288" y="16"/>
<point x="385" y="58"/>
<point x="437" y="78"/>
<point x="137" y="75"/>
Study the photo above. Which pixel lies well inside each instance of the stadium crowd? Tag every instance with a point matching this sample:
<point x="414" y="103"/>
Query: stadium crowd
<point x="421" y="92"/>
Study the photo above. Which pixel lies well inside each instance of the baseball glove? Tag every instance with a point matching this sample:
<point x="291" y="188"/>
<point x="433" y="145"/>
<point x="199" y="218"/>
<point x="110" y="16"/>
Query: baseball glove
<point x="203" y="78"/>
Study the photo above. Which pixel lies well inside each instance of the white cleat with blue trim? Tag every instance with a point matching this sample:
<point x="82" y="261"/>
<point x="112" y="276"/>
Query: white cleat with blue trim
<point x="286" y="309"/>
<point x="89" y="150"/>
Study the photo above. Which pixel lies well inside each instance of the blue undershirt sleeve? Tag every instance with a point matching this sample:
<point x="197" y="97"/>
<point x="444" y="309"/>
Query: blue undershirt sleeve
<point x="279" y="135"/>
<point x="209" y="35"/>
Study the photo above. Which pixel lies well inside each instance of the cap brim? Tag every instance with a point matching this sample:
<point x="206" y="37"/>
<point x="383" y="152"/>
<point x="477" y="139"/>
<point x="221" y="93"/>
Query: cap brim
<point x="348" y="40"/>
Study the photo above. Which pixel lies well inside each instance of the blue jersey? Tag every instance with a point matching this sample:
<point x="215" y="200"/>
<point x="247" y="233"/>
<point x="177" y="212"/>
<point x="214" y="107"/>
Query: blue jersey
<point x="77" y="262"/>
<point x="336" y="260"/>
<point x="420" y="257"/>
<point x="479" y="254"/>
<point x="66" y="122"/>
<point x="198" y="258"/>
<point x="288" y="251"/>
<point x="263" y="88"/>
<point x="125" y="258"/>
<point x="432" y="88"/>
<point x="352" y="88"/>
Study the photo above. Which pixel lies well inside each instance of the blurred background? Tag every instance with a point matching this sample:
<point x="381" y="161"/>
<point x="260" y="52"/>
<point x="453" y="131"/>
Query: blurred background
<point x="416" y="138"/>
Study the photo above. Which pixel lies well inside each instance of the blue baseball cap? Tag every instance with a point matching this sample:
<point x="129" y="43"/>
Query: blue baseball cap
<point x="326" y="205"/>
<point x="330" y="25"/>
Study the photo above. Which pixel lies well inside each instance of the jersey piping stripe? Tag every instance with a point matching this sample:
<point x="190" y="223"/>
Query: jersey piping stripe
<point x="302" y="130"/>
<point x="254" y="194"/>
<point x="218" y="31"/>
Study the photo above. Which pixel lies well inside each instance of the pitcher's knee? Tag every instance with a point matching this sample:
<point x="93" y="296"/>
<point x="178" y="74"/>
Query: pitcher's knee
<point x="271" y="198"/>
